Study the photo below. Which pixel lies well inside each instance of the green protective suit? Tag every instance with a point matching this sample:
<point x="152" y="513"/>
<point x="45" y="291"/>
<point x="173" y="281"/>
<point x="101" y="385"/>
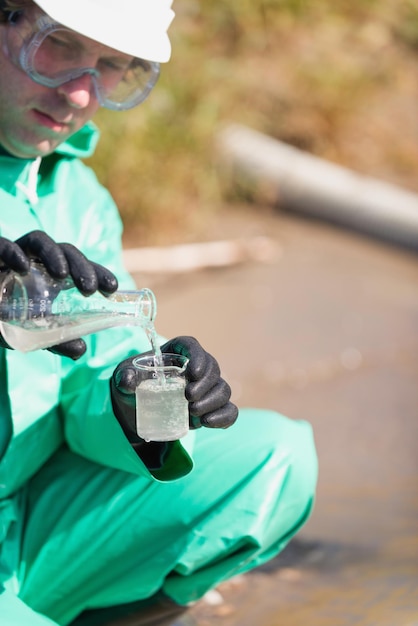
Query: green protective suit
<point x="83" y="524"/>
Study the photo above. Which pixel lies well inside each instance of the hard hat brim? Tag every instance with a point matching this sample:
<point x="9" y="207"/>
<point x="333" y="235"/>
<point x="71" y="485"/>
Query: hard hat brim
<point x="142" y="30"/>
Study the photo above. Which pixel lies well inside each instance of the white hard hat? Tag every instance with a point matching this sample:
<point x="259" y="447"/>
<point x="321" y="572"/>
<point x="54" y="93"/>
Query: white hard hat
<point x="135" y="27"/>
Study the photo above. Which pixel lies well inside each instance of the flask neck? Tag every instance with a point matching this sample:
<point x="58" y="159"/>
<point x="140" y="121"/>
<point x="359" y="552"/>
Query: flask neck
<point x="139" y="304"/>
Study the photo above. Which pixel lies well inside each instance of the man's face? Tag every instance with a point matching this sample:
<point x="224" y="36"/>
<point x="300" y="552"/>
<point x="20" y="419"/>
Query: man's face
<point x="35" y="119"/>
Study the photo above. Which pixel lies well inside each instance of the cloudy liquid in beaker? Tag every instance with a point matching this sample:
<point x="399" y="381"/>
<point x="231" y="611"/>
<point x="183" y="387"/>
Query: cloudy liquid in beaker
<point x="163" y="413"/>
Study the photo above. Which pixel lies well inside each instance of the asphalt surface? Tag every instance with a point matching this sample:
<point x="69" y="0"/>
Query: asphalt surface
<point x="327" y="331"/>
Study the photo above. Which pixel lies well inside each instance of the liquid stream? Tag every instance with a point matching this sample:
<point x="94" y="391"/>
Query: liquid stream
<point x="155" y="347"/>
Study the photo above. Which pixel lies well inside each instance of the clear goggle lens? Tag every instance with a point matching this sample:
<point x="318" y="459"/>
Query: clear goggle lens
<point x="53" y="55"/>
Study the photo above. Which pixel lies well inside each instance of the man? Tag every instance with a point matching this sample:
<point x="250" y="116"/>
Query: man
<point x="97" y="525"/>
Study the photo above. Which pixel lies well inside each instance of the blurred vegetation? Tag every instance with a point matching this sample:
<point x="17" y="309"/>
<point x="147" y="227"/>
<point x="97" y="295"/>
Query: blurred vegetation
<point x="338" y="79"/>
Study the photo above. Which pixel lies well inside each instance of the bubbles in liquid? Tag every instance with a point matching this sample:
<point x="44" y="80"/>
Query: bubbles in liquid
<point x="162" y="410"/>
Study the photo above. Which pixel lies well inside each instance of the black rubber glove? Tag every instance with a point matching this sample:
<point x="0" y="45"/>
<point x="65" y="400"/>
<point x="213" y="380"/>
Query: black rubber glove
<point x="60" y="260"/>
<point x="208" y="394"/>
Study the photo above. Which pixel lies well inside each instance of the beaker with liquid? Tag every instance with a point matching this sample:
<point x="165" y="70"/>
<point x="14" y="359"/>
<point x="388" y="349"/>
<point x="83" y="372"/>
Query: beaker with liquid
<point x="162" y="410"/>
<point x="38" y="311"/>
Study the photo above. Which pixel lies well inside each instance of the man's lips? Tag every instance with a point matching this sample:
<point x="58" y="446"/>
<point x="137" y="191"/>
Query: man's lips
<point x="50" y="122"/>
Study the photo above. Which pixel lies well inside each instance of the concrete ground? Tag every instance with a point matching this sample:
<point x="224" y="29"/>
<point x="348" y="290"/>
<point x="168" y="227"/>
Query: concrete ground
<point x="326" y="331"/>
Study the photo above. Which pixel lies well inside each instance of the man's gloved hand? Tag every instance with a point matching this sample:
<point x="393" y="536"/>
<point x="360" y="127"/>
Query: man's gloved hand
<point x="208" y="394"/>
<point x="60" y="260"/>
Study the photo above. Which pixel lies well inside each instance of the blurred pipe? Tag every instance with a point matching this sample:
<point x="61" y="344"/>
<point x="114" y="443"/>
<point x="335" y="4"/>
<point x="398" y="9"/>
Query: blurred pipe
<point x="313" y="186"/>
<point x="195" y="256"/>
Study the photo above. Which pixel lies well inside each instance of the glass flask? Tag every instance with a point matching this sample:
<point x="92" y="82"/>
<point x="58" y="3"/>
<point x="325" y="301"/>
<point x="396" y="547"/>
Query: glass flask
<point x="38" y="311"/>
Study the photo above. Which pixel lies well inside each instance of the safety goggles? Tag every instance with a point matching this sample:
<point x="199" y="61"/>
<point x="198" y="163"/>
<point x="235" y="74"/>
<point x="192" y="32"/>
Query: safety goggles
<point x="53" y="55"/>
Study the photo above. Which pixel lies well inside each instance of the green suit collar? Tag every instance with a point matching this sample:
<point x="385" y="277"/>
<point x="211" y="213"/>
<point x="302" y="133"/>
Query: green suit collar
<point x="82" y="144"/>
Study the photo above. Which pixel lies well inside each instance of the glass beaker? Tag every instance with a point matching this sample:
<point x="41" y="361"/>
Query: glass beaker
<point x="162" y="410"/>
<point x="38" y="311"/>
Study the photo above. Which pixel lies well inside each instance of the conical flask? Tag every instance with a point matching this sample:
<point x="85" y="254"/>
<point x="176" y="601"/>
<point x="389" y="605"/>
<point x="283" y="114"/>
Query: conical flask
<point x="38" y="311"/>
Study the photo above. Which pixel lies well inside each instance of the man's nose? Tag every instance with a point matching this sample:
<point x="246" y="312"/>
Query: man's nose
<point x="78" y="92"/>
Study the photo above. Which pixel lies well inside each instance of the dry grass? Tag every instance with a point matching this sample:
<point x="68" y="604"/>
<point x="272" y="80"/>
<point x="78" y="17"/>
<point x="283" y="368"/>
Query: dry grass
<point x="337" y="79"/>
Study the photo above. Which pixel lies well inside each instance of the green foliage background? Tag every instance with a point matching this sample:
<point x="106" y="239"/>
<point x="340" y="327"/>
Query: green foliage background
<point x="338" y="79"/>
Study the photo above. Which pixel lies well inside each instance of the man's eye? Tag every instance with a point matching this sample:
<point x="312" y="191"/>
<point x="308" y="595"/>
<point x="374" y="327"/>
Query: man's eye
<point x="113" y="66"/>
<point x="59" y="48"/>
<point x="140" y="64"/>
<point x="58" y="42"/>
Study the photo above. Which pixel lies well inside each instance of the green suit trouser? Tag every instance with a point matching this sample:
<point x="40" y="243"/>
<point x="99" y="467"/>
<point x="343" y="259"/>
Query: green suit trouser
<point x="82" y="536"/>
